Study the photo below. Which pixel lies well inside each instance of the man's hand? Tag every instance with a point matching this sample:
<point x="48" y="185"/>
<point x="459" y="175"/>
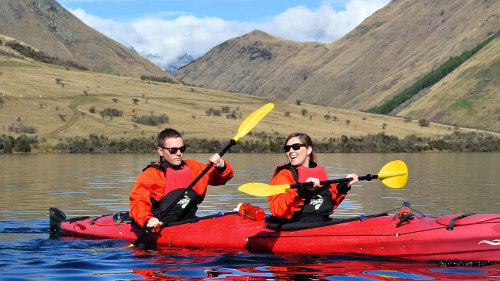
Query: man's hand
<point x="154" y="224"/>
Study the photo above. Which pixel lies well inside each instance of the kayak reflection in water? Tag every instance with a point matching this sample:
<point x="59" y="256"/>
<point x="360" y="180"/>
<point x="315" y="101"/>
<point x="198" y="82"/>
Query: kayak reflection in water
<point x="161" y="195"/>
<point x="313" y="203"/>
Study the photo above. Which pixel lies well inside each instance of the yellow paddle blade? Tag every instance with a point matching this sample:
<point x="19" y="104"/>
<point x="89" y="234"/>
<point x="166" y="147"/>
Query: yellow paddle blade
<point x="262" y="189"/>
<point x="252" y="120"/>
<point x="394" y="174"/>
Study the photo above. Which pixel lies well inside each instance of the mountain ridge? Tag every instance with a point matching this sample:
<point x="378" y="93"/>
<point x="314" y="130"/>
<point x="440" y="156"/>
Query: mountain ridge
<point x="50" y="28"/>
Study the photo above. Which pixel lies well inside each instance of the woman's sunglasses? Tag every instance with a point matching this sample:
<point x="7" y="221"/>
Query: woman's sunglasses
<point x="295" y="146"/>
<point x="173" y="150"/>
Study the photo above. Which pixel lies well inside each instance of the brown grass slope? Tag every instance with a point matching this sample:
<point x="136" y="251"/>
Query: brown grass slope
<point x="382" y="56"/>
<point x="48" y="27"/>
<point x="469" y="96"/>
<point x="57" y="102"/>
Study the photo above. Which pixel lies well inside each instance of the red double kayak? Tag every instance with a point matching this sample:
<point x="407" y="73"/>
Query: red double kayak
<point x="450" y="237"/>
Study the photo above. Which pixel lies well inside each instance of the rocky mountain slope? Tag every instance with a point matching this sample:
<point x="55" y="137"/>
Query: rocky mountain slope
<point x="51" y="29"/>
<point x="381" y="57"/>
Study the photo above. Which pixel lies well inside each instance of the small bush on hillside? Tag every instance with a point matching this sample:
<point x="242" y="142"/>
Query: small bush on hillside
<point x="423" y="122"/>
<point x="18" y="127"/>
<point x="232" y="115"/>
<point x="214" y="112"/>
<point x="111" y="112"/>
<point x="151" y="120"/>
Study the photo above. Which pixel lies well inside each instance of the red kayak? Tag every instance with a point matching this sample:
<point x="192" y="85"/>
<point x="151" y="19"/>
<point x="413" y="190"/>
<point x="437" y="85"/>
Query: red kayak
<point x="450" y="237"/>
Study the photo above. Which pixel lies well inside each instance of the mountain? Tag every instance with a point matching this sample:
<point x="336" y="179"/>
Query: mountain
<point x="181" y="61"/>
<point x="51" y="29"/>
<point x="385" y="54"/>
<point x="171" y="67"/>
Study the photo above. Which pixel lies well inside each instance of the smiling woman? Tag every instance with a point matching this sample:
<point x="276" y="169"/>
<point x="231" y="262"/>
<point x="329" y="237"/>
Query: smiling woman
<point x="311" y="203"/>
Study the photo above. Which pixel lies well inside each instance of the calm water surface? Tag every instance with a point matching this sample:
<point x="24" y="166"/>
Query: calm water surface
<point x="438" y="183"/>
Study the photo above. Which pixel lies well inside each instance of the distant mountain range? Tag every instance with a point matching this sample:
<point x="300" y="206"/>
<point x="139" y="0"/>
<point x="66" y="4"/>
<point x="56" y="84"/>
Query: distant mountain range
<point x="173" y="67"/>
<point x="170" y="68"/>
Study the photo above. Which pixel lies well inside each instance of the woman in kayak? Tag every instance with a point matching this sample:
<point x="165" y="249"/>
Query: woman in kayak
<point x="161" y="183"/>
<point x="311" y="204"/>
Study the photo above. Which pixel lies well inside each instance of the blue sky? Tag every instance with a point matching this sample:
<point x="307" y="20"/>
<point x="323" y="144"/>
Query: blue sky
<point x="170" y="28"/>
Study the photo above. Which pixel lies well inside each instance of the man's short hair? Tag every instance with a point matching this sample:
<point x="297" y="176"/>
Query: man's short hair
<point x="167" y="133"/>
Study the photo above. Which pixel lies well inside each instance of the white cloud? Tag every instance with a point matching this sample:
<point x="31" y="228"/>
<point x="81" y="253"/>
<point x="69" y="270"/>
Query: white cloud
<point x="169" y="38"/>
<point x="324" y="24"/>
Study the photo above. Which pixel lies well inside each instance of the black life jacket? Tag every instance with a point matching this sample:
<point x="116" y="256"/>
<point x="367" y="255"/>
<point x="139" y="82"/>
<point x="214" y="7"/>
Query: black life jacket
<point x="318" y="203"/>
<point x="178" y="179"/>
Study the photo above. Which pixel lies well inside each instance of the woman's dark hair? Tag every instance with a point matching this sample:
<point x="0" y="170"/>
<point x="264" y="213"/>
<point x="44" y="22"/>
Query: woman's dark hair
<point x="167" y="133"/>
<point x="305" y="139"/>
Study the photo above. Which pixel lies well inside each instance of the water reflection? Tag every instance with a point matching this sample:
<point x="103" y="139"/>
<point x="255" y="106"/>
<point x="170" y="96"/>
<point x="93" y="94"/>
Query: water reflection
<point x="205" y="264"/>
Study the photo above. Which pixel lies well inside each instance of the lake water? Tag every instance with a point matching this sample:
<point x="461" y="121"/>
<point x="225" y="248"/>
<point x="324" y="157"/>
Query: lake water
<point x="95" y="184"/>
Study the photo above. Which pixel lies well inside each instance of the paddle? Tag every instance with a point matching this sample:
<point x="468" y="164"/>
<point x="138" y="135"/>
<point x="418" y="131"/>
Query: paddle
<point x="251" y="121"/>
<point x="393" y="174"/>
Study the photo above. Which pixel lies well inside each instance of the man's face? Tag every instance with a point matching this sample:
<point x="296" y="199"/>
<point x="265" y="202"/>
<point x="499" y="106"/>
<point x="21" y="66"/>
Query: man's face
<point x="173" y="159"/>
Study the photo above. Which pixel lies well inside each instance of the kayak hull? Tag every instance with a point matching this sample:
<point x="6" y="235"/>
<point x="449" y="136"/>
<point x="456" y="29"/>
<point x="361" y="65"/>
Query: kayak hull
<point x="451" y="237"/>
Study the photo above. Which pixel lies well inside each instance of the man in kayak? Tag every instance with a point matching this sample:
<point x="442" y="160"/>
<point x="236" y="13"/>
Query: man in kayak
<point x="310" y="204"/>
<point x="161" y="183"/>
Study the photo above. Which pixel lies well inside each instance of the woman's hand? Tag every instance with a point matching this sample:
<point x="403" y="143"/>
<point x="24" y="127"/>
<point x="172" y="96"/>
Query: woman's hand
<point x="315" y="182"/>
<point x="354" y="179"/>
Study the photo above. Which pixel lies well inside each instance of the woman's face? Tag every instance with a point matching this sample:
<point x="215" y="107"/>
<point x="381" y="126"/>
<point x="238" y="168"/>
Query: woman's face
<point x="298" y="152"/>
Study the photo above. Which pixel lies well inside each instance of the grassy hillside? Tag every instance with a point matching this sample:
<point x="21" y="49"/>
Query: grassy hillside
<point x="468" y="96"/>
<point x="54" y="103"/>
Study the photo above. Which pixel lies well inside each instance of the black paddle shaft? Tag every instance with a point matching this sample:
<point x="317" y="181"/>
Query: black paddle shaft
<point x="147" y="230"/>
<point x="195" y="181"/>
<point x="368" y="177"/>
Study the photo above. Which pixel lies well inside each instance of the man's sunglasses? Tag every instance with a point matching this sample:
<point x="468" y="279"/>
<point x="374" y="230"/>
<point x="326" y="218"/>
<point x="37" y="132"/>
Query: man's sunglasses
<point x="173" y="150"/>
<point x="295" y="146"/>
